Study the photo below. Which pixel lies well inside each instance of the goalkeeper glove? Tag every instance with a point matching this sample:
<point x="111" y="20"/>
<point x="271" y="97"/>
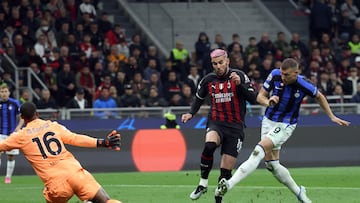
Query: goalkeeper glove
<point x="112" y="141"/>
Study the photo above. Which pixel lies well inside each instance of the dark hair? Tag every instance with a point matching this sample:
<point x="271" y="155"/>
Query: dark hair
<point x="28" y="110"/>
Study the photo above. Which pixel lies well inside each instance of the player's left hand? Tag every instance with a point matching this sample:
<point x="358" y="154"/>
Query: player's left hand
<point x="340" y="121"/>
<point x="235" y="77"/>
<point x="112" y="141"/>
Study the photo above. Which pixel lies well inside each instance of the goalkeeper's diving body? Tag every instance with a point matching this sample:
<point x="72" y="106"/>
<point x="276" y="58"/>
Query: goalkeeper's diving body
<point x="42" y="143"/>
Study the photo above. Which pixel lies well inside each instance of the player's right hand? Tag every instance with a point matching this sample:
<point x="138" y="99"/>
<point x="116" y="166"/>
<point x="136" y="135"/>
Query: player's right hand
<point x="273" y="100"/>
<point x="186" y="117"/>
<point x="112" y="141"/>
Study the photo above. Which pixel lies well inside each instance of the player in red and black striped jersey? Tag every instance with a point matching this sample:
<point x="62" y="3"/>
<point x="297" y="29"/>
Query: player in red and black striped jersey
<point x="228" y="89"/>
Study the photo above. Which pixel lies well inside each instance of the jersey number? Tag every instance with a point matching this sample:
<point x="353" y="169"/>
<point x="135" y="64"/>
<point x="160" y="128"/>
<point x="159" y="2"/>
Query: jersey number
<point x="47" y="142"/>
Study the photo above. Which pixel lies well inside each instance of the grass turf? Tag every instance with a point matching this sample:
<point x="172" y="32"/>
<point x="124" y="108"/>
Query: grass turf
<point x="324" y="185"/>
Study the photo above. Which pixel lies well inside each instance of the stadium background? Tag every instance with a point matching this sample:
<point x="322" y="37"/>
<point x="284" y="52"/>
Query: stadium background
<point x="173" y="150"/>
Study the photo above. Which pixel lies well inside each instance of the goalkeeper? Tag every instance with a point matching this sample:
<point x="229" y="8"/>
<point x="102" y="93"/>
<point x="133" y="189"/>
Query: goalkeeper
<point x="43" y="144"/>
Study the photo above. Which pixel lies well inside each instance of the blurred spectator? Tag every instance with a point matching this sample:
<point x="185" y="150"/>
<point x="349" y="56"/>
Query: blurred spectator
<point x="107" y="82"/>
<point x="324" y="84"/>
<point x="7" y="78"/>
<point x="150" y="69"/>
<point x="66" y="83"/>
<point x="46" y="100"/>
<point x="338" y="91"/>
<point x="98" y="73"/>
<point x="104" y="24"/>
<point x="119" y="82"/>
<point x="235" y="39"/>
<point x="49" y="78"/>
<point x="118" y="59"/>
<point x="350" y="83"/>
<point x="27" y="35"/>
<point x="114" y="94"/>
<point x="129" y="99"/>
<point x="123" y="47"/>
<point x="8" y="33"/>
<point x="85" y="79"/>
<point x="2" y="21"/>
<point x="180" y="59"/>
<point x="155" y="82"/>
<point x="354" y="44"/>
<point x="115" y="35"/>
<point x="140" y="85"/>
<point x="235" y="53"/>
<point x="72" y="45"/>
<point x="186" y="96"/>
<point x="249" y="49"/>
<point x="351" y="8"/>
<point x="152" y="53"/>
<point x="154" y="99"/>
<point x="87" y="7"/>
<point x="202" y="47"/>
<point x="356" y="97"/>
<point x="41" y="45"/>
<point x="15" y="20"/>
<point x="131" y="68"/>
<point x="218" y="42"/>
<point x="296" y="43"/>
<point x="78" y="101"/>
<point x="265" y="69"/>
<point x="320" y="19"/>
<point x="345" y="25"/>
<point x="172" y="86"/>
<point x="25" y="96"/>
<point x="63" y="18"/>
<point x="79" y="31"/>
<point x="265" y="46"/>
<point x="55" y="7"/>
<point x="105" y="101"/>
<point x="71" y="9"/>
<point x="86" y="46"/>
<point x="46" y="32"/>
<point x="194" y="77"/>
<point x="62" y="34"/>
<point x="282" y="44"/>
<point x="138" y="43"/>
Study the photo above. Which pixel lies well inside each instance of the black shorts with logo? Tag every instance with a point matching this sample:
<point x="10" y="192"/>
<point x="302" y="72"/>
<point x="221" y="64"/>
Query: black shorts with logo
<point x="231" y="138"/>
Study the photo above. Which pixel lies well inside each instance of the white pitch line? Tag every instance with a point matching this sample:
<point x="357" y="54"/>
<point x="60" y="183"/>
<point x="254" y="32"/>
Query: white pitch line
<point x="191" y="186"/>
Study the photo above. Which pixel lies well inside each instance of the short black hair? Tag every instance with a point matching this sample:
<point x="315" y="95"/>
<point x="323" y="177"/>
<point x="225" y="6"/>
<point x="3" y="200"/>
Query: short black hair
<point x="28" y="110"/>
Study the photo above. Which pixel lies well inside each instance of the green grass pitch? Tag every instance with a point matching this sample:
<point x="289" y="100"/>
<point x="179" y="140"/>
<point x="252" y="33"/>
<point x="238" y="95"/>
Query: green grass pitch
<point x="324" y="185"/>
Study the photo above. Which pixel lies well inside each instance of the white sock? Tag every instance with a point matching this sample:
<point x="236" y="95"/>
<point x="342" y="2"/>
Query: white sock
<point x="203" y="182"/>
<point x="10" y="168"/>
<point x="282" y="174"/>
<point x="248" y="166"/>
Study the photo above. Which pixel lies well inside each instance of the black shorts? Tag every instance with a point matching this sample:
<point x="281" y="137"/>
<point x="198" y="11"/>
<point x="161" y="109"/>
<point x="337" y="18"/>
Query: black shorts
<point x="231" y="138"/>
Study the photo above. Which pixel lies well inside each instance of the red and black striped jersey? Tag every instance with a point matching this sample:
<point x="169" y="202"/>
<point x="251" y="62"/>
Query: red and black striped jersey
<point x="227" y="100"/>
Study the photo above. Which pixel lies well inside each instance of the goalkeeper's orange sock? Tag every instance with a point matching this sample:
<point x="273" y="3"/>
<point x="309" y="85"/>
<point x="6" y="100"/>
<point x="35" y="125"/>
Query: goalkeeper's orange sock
<point x="112" y="201"/>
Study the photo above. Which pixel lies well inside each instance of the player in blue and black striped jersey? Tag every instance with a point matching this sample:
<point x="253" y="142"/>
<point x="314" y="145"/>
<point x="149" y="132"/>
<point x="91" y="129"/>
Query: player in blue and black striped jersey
<point x="228" y="90"/>
<point x="9" y="122"/>
<point x="282" y="94"/>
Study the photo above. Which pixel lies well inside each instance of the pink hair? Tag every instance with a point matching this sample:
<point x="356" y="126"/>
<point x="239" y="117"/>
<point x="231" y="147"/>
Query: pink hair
<point x="218" y="52"/>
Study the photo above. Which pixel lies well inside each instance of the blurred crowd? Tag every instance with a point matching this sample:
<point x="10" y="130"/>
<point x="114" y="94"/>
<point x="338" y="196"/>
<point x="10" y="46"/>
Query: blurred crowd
<point x="85" y="60"/>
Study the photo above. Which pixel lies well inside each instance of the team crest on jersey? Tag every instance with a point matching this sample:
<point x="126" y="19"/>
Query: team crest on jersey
<point x="228" y="84"/>
<point x="10" y="107"/>
<point x="297" y="94"/>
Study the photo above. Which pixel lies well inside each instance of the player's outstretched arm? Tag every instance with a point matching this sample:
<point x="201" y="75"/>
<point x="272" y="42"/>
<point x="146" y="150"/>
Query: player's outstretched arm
<point x="112" y="141"/>
<point x="321" y="99"/>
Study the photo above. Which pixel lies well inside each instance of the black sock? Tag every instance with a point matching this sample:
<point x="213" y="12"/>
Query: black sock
<point x="207" y="159"/>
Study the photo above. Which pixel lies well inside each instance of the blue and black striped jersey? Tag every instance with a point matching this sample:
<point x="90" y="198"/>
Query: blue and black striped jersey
<point x="290" y="97"/>
<point x="10" y="109"/>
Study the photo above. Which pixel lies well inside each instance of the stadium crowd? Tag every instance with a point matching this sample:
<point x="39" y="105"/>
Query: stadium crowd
<point x="79" y="53"/>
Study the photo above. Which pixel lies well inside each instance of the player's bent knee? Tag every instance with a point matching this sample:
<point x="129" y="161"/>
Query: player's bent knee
<point x="209" y="149"/>
<point x="269" y="166"/>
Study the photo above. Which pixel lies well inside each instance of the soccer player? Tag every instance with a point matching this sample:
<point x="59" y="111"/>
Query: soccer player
<point x="228" y="89"/>
<point x="9" y="122"/>
<point x="43" y="144"/>
<point x="288" y="90"/>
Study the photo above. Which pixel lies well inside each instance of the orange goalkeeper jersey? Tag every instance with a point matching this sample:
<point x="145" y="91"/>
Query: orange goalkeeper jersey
<point x="42" y="143"/>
